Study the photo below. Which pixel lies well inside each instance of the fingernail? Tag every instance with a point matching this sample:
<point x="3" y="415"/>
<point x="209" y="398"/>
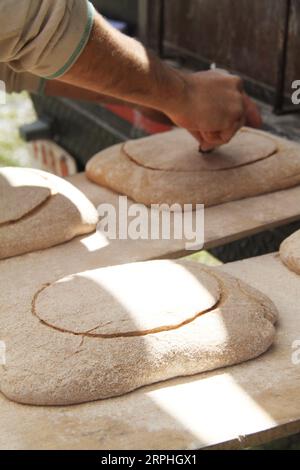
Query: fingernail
<point x="205" y="151"/>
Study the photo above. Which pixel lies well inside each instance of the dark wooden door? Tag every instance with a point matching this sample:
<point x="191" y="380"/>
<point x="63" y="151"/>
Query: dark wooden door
<point x="244" y="36"/>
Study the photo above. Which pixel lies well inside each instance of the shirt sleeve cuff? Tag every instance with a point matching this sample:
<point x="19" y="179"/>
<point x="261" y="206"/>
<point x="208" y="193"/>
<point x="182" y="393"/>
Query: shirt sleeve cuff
<point x="74" y="40"/>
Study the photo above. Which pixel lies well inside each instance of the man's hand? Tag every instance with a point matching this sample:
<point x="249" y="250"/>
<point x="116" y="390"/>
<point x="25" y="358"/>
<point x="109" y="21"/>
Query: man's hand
<point x="214" y="107"/>
<point x="211" y="105"/>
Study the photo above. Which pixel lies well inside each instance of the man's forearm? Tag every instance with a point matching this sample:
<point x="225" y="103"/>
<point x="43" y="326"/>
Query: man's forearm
<point x="211" y="105"/>
<point x="116" y="65"/>
<point x="61" y="89"/>
<point x="63" y="40"/>
<point x="57" y="88"/>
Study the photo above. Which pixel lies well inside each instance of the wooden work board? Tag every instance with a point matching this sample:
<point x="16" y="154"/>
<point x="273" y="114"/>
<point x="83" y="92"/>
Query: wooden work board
<point x="224" y="223"/>
<point x="233" y="407"/>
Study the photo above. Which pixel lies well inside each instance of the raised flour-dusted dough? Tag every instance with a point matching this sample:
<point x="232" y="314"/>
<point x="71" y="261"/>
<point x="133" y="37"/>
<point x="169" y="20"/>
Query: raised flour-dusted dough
<point x="179" y="151"/>
<point x="147" y="293"/>
<point x="19" y="197"/>
<point x="290" y="252"/>
<point x="168" y="168"/>
<point x="106" y="332"/>
<point x="39" y="210"/>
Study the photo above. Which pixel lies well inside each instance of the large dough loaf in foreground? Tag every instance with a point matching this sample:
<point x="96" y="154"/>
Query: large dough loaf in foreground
<point x="290" y="252"/>
<point x="106" y="332"/>
<point x="168" y="168"/>
<point x="39" y="210"/>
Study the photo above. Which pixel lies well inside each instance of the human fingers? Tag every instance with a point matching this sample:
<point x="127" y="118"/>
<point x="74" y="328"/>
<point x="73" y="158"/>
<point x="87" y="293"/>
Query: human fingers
<point x="252" y="112"/>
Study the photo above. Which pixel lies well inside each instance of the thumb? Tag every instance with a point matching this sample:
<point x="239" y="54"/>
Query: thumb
<point x="205" y="144"/>
<point x="253" y="115"/>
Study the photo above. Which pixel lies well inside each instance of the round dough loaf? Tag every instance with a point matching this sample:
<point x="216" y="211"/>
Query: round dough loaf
<point x="106" y="332"/>
<point x="290" y="252"/>
<point x="168" y="168"/>
<point x="39" y="210"/>
<point x="179" y="151"/>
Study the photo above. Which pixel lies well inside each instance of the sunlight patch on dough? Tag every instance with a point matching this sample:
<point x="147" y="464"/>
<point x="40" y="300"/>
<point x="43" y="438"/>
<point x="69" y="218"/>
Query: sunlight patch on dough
<point x="122" y="300"/>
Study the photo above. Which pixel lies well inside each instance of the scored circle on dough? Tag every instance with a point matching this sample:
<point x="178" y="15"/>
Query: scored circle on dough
<point x="179" y="151"/>
<point x="130" y="299"/>
<point x="21" y="191"/>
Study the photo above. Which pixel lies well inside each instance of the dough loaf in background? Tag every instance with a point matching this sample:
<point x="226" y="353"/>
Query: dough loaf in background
<point x="39" y="210"/>
<point x="290" y="252"/>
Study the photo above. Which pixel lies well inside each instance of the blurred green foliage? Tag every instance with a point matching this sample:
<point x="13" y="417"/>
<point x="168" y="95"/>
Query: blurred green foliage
<point x="18" y="110"/>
